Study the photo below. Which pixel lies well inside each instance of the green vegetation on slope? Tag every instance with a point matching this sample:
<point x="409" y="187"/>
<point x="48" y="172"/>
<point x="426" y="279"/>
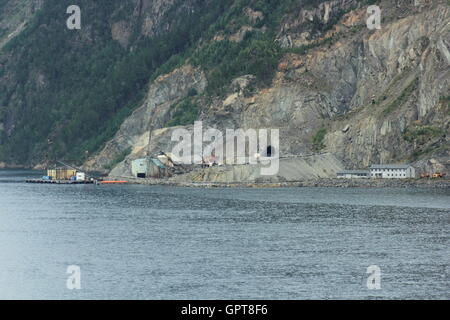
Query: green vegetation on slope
<point x="184" y="113"/>
<point x="67" y="92"/>
<point x="72" y="89"/>
<point x="421" y="134"/>
<point x="445" y="101"/>
<point x="226" y="60"/>
<point x="404" y="96"/>
<point x="119" y="158"/>
<point x="318" y="139"/>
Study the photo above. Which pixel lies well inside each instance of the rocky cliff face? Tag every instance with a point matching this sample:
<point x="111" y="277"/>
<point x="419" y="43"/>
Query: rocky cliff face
<point x="379" y="96"/>
<point x="146" y="18"/>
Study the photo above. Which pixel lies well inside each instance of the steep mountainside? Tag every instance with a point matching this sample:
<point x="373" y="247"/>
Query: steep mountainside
<point x="309" y="68"/>
<point x="63" y="93"/>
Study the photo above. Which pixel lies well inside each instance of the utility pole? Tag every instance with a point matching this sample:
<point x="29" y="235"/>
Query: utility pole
<point x="151" y="128"/>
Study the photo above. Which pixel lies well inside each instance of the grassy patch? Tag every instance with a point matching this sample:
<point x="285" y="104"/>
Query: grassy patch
<point x="421" y="134"/>
<point x="225" y="60"/>
<point x="184" y="113"/>
<point x="402" y="98"/>
<point x="318" y="138"/>
<point x="445" y="101"/>
<point x="425" y="151"/>
<point x="118" y="159"/>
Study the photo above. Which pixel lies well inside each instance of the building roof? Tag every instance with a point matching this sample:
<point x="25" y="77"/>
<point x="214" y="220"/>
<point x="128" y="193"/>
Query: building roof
<point x="158" y="163"/>
<point x="354" y="172"/>
<point x="390" y="166"/>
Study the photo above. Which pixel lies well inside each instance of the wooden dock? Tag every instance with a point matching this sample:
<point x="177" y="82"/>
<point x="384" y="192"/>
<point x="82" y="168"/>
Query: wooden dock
<point x="41" y="181"/>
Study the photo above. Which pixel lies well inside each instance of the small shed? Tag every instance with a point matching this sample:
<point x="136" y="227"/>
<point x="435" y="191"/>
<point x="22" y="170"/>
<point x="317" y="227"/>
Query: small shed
<point x="148" y="168"/>
<point x="139" y="168"/>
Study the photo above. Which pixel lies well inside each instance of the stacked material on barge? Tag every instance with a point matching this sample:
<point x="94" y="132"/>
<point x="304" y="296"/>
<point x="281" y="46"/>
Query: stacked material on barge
<point x="44" y="181"/>
<point x="64" y="174"/>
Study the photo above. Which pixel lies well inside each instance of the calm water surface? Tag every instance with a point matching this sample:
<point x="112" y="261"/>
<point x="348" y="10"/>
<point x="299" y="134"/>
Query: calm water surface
<point x="141" y="242"/>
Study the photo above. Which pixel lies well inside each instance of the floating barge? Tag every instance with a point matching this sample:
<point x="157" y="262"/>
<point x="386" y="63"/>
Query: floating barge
<point x="42" y="181"/>
<point x="63" y="175"/>
<point x="70" y="175"/>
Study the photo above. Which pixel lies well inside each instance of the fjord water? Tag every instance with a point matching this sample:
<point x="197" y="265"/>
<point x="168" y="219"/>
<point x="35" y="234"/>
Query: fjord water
<point x="155" y="242"/>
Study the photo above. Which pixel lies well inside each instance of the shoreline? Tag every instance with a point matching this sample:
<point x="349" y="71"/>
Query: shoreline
<point x="442" y="183"/>
<point x="322" y="183"/>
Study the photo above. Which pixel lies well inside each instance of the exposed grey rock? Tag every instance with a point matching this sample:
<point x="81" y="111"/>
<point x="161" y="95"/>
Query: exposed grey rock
<point x="367" y="88"/>
<point x="154" y="113"/>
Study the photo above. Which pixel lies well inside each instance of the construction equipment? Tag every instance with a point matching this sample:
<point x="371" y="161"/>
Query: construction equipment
<point x="438" y="175"/>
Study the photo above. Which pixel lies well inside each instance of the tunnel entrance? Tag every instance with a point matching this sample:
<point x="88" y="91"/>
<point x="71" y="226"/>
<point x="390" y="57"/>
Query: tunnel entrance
<point x="270" y="151"/>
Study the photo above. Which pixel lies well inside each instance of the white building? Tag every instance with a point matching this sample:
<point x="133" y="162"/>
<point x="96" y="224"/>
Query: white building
<point x="354" y="174"/>
<point x="81" y="176"/>
<point x="392" y="171"/>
